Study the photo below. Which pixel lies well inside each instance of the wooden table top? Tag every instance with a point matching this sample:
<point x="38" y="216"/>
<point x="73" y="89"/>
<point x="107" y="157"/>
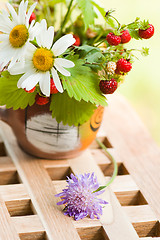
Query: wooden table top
<point x="28" y="207"/>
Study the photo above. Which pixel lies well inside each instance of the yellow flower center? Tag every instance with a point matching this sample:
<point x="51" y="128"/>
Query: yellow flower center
<point x="18" y="36"/>
<point x="43" y="59"/>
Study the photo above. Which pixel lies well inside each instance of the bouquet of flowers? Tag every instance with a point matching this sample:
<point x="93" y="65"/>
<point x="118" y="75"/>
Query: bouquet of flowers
<point x="53" y="52"/>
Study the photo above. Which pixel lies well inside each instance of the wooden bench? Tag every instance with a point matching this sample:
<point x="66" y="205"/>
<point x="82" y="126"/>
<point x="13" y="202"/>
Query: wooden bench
<point x="28" y="209"/>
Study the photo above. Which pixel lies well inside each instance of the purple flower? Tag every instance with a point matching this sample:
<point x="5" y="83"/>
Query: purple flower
<point x="80" y="198"/>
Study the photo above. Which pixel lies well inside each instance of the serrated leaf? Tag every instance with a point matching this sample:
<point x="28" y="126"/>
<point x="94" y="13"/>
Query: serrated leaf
<point x="83" y="84"/>
<point x="103" y="13"/>
<point x="11" y="96"/>
<point x="87" y="48"/>
<point x="89" y="17"/>
<point x="90" y="54"/>
<point x="134" y="34"/>
<point x="69" y="111"/>
<point x="100" y="9"/>
<point x="93" y="57"/>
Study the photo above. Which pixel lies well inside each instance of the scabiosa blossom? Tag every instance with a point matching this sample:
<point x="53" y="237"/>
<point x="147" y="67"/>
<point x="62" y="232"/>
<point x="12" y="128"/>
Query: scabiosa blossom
<point x="43" y="61"/>
<point x="16" y="33"/>
<point x="80" y="198"/>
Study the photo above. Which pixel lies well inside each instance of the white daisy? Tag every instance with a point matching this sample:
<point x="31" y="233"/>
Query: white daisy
<point x="43" y="61"/>
<point x="16" y="33"/>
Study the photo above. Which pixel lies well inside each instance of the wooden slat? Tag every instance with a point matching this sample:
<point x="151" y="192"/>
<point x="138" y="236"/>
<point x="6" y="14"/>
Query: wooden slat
<point x="7" y="230"/>
<point x="114" y="221"/>
<point x="8" y="172"/>
<point x="29" y="227"/>
<point x="135" y="146"/>
<point x="40" y="189"/>
<point x="126" y="190"/>
<point x="143" y="219"/>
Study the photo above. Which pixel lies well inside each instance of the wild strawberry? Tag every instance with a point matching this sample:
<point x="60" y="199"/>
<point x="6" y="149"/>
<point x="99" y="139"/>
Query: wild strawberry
<point x="111" y="67"/>
<point x="32" y="17"/>
<point x="91" y="33"/>
<point x="30" y="91"/>
<point x="108" y="87"/>
<point x="125" y="37"/>
<point x="113" y="39"/>
<point x="53" y="89"/>
<point x="123" y="66"/>
<point x="78" y="41"/>
<point x="41" y="100"/>
<point x="148" y="33"/>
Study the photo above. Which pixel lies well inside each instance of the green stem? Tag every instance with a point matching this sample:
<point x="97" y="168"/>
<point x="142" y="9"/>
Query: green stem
<point x="119" y="25"/>
<point x="115" y="172"/>
<point x="100" y="42"/>
<point x="65" y="21"/>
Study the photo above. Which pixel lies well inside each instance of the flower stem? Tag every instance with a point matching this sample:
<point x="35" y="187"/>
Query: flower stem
<point x="115" y="172"/>
<point x="65" y="21"/>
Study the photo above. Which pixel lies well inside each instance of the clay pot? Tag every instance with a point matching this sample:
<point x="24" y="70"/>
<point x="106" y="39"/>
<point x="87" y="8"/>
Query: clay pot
<point x="40" y="135"/>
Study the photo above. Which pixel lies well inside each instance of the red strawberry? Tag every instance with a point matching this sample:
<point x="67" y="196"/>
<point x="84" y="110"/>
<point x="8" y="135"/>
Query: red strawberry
<point x="113" y="39"/>
<point x="125" y="37"/>
<point x="108" y="87"/>
<point x="53" y="88"/>
<point x="30" y="91"/>
<point x="32" y="17"/>
<point x="148" y="33"/>
<point x="41" y="100"/>
<point x="123" y="66"/>
<point x="78" y="41"/>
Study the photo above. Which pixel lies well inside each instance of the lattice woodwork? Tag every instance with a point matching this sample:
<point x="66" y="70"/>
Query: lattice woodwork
<point x="28" y="209"/>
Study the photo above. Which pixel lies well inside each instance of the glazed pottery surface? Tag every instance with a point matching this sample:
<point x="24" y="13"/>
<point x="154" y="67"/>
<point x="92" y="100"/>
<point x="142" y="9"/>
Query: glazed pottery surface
<point x="40" y="135"/>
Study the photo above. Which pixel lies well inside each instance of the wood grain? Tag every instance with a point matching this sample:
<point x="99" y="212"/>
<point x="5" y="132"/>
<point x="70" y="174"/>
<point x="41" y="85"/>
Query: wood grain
<point x="40" y="190"/>
<point x="28" y="185"/>
<point x="7" y="229"/>
<point x="135" y="146"/>
<point x="114" y="221"/>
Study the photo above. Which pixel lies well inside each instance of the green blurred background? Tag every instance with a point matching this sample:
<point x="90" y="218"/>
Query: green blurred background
<point x="142" y="84"/>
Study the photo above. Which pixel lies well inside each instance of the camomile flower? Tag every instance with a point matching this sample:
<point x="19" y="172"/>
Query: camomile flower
<point x="43" y="62"/>
<point x="16" y="33"/>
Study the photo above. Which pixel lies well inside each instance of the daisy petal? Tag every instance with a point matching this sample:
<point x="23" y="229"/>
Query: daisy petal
<point x="12" y="63"/>
<point x="64" y="62"/>
<point x="31" y="81"/>
<point x="45" y="83"/>
<point x="4" y="37"/>
<point x="35" y="30"/>
<point x="13" y="12"/>
<point x="61" y="45"/>
<point x="56" y="80"/>
<point x="40" y="37"/>
<point x="23" y="78"/>
<point x="48" y="38"/>
<point x="62" y="70"/>
<point x="18" y="68"/>
<point x="31" y="10"/>
<point x="22" y="11"/>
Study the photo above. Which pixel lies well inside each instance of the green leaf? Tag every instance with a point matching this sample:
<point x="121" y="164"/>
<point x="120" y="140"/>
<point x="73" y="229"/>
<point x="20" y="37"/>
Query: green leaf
<point x="145" y="51"/>
<point x="93" y="57"/>
<point x="11" y="96"/>
<point x="87" y="11"/>
<point x="100" y="9"/>
<point x="134" y="34"/>
<point x="83" y="84"/>
<point x="90" y="54"/>
<point x="69" y="111"/>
